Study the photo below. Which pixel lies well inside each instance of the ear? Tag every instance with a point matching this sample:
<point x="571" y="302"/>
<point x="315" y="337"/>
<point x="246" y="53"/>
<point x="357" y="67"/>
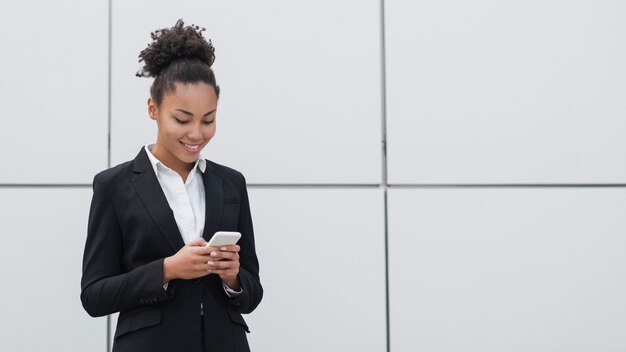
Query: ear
<point x="152" y="108"/>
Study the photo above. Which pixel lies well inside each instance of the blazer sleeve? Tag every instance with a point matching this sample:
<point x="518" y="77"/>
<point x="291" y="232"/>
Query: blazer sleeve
<point x="105" y="288"/>
<point x="249" y="264"/>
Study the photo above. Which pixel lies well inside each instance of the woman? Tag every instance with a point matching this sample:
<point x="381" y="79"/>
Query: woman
<point x="151" y="217"/>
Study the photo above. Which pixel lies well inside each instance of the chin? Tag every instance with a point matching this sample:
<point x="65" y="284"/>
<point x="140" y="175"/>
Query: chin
<point x="189" y="159"/>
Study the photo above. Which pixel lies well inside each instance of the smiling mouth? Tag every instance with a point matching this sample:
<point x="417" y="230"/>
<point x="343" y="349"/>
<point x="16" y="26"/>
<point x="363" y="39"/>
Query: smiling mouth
<point x="192" y="148"/>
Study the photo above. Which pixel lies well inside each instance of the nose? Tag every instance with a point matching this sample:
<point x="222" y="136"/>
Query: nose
<point x="194" y="133"/>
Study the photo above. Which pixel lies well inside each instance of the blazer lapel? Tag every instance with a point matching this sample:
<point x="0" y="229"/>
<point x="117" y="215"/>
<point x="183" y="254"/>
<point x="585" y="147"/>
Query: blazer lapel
<point x="214" y="201"/>
<point x="149" y="190"/>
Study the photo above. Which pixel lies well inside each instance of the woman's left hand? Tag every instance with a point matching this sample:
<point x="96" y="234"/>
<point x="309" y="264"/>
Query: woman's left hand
<point x="225" y="263"/>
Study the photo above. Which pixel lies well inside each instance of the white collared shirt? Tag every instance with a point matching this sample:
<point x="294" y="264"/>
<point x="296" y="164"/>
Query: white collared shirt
<point x="187" y="200"/>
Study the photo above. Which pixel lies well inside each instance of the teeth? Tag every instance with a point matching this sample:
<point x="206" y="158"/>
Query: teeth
<point x="192" y="146"/>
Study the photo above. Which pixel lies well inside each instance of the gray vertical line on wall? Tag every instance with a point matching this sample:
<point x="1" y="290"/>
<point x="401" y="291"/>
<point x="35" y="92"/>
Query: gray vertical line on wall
<point x="110" y="3"/>
<point x="383" y="110"/>
<point x="109" y="89"/>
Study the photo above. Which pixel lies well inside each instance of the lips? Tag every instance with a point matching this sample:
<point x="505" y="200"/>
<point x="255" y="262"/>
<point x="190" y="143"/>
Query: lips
<point x="191" y="148"/>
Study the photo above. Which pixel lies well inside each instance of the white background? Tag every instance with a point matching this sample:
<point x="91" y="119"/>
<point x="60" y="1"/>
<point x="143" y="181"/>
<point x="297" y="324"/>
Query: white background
<point x="493" y="221"/>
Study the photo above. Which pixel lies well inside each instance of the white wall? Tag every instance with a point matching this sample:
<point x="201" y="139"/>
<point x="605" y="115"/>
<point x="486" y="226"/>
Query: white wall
<point x="492" y="92"/>
<point x="502" y="119"/>
<point x="53" y="84"/>
<point x="43" y="231"/>
<point x="507" y="269"/>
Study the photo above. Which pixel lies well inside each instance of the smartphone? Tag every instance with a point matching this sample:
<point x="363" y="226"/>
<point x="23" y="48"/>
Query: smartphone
<point x="224" y="238"/>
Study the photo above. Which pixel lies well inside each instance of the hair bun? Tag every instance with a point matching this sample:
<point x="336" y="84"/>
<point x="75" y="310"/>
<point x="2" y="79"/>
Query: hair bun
<point x="178" y="42"/>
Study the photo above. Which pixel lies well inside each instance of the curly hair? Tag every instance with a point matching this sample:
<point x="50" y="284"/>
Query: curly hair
<point x="179" y="54"/>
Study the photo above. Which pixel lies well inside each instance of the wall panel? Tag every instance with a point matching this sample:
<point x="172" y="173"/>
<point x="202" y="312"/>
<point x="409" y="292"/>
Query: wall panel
<point x="507" y="269"/>
<point x="53" y="84"/>
<point x="44" y="233"/>
<point x="506" y="91"/>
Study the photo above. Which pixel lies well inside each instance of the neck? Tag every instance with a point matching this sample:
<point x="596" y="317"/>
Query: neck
<point x="169" y="160"/>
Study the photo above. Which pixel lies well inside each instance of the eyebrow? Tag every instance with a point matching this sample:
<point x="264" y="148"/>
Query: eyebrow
<point x="190" y="114"/>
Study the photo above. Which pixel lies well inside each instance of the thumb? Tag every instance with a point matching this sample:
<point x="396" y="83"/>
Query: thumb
<point x="197" y="242"/>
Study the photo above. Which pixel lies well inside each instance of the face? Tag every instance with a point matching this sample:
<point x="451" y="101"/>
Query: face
<point x="186" y="123"/>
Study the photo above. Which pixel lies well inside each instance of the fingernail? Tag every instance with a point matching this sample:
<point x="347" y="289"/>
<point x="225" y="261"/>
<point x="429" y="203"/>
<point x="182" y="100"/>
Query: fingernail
<point x="223" y="248"/>
<point x="213" y="254"/>
<point x="209" y="263"/>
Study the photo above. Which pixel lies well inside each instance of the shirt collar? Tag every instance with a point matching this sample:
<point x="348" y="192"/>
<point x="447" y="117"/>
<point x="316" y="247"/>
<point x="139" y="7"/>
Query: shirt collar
<point x="200" y="162"/>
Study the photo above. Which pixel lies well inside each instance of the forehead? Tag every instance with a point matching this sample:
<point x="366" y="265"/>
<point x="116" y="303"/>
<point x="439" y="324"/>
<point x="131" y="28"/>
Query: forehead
<point x="199" y="95"/>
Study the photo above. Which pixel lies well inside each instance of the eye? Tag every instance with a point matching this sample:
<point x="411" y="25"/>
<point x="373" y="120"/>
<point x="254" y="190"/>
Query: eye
<point x="180" y="121"/>
<point x="208" y="122"/>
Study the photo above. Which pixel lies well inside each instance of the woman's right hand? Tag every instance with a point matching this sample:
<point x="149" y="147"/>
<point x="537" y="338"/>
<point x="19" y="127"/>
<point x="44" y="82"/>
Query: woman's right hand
<point x="190" y="262"/>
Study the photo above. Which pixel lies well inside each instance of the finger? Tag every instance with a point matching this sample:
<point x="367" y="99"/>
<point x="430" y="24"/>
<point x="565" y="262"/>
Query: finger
<point x="207" y="250"/>
<point x="222" y="265"/>
<point x="197" y="259"/>
<point x="224" y="255"/>
<point x="204" y="267"/>
<point x="204" y="250"/>
<point x="230" y="248"/>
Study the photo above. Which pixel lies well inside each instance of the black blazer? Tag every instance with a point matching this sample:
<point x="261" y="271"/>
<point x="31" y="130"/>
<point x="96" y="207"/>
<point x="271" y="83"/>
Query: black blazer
<point x="132" y="229"/>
